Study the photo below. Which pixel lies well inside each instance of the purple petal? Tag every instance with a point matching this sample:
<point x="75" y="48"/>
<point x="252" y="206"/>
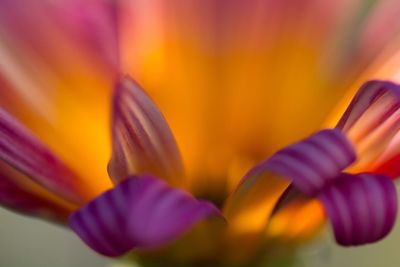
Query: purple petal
<point x="371" y="122"/>
<point x="313" y="162"/>
<point x="141" y="212"/>
<point x="19" y="193"/>
<point x="22" y="150"/>
<point x="309" y="164"/>
<point x="142" y="140"/>
<point x="362" y="208"/>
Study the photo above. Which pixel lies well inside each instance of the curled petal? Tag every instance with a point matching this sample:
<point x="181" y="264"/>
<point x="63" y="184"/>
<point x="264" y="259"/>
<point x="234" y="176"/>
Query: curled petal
<point x="362" y="208"/>
<point x="371" y="121"/>
<point x="309" y="165"/>
<point x="313" y="162"/>
<point x="141" y="212"/>
<point x="22" y="150"/>
<point x="142" y="140"/>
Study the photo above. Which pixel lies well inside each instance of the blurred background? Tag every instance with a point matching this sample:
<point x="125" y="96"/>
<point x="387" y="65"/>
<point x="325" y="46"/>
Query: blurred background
<point x="307" y="58"/>
<point x="26" y="242"/>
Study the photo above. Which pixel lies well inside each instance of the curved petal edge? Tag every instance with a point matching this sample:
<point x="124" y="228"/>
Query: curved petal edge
<point x="141" y="212"/>
<point x="361" y="208"/>
<point x="313" y="162"/>
<point x="142" y="140"/>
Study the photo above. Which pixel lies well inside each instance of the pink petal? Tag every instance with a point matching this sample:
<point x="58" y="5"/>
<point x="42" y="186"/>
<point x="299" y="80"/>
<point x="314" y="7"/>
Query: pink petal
<point x="22" y="150"/>
<point x="88" y="24"/>
<point x="142" y="140"/>
<point x="141" y="212"/>
<point x="371" y="122"/>
<point x="362" y="208"/>
<point x="380" y="29"/>
<point x="94" y="22"/>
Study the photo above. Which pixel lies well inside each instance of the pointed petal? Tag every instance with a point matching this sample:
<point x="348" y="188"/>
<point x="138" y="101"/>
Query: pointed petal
<point x="22" y="150"/>
<point x="362" y="208"/>
<point x="141" y="212"/>
<point x="371" y="122"/>
<point x="142" y="140"/>
<point x="309" y="164"/>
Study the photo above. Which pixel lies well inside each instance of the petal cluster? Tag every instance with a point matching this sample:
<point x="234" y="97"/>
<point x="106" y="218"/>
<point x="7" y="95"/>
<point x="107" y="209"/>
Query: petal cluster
<point x="364" y="202"/>
<point x="145" y="211"/>
<point x="317" y="170"/>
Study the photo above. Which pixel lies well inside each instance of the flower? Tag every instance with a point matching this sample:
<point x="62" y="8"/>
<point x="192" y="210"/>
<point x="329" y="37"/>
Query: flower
<point x="230" y="102"/>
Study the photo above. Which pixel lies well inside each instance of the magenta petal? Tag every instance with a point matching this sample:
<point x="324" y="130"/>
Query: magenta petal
<point x="141" y="212"/>
<point x="22" y="150"/>
<point x="362" y="208"/>
<point x="142" y="140"/>
<point x="313" y="162"/>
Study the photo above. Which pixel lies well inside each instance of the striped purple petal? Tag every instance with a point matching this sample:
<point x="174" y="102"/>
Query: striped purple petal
<point x="142" y="140"/>
<point x="313" y="162"/>
<point x="22" y="150"/>
<point x="362" y="208"/>
<point x="371" y="121"/>
<point x="309" y="164"/>
<point x="141" y="212"/>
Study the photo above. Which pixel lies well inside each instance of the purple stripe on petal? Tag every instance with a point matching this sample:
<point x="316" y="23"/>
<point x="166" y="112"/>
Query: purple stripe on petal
<point x="309" y="165"/>
<point x="141" y="212"/>
<point x="142" y="140"/>
<point x="313" y="162"/>
<point x="362" y="208"/>
<point x="22" y="150"/>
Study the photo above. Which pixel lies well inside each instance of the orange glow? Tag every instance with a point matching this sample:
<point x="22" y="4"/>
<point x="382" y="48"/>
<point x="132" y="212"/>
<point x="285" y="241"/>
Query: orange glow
<point x="249" y="209"/>
<point x="297" y="222"/>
